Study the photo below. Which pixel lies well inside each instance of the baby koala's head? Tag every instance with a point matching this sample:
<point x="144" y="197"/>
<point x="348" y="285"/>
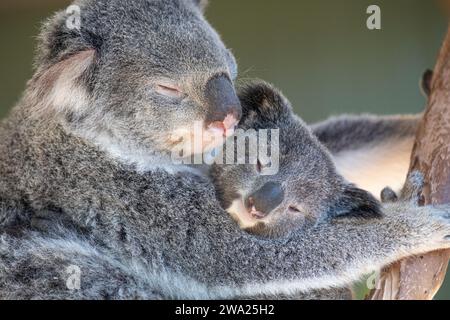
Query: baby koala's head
<point x="299" y="188"/>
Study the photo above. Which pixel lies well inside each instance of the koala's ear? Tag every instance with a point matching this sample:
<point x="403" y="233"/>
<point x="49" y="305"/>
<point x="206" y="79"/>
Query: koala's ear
<point x="65" y="63"/>
<point x="262" y="101"/>
<point x="202" y="4"/>
<point x="65" y="35"/>
<point x="356" y="203"/>
<point x="62" y="88"/>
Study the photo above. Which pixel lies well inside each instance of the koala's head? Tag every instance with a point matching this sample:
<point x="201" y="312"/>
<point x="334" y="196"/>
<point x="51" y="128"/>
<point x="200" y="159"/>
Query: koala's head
<point x="306" y="188"/>
<point x="136" y="75"/>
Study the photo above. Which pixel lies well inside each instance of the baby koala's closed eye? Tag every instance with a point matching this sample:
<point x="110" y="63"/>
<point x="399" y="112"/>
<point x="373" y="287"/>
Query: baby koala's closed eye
<point x="298" y="187"/>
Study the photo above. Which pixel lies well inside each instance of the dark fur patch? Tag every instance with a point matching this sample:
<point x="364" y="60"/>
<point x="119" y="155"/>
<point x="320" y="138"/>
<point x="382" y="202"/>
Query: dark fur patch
<point x="267" y="102"/>
<point x="356" y="203"/>
<point x="426" y="82"/>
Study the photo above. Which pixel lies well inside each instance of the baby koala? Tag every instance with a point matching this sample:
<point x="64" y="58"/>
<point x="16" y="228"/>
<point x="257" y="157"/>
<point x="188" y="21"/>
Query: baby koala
<point x="306" y="188"/>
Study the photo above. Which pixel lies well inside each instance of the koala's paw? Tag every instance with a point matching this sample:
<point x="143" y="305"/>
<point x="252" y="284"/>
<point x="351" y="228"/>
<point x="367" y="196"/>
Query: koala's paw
<point x="440" y="223"/>
<point x="388" y="195"/>
<point x="411" y="192"/>
<point x="429" y="226"/>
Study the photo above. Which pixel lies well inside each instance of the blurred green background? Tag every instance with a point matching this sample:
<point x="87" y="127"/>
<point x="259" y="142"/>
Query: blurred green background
<point x="319" y="52"/>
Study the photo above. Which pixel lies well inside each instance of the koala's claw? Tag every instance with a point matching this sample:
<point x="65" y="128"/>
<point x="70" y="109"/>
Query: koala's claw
<point x="388" y="195"/>
<point x="411" y="192"/>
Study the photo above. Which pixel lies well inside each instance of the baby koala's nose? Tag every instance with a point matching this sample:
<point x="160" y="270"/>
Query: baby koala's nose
<point x="223" y="103"/>
<point x="262" y="202"/>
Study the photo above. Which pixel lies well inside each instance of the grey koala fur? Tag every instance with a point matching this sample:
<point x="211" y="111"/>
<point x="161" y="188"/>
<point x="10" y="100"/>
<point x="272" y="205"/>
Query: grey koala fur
<point x="79" y="144"/>
<point x="154" y="242"/>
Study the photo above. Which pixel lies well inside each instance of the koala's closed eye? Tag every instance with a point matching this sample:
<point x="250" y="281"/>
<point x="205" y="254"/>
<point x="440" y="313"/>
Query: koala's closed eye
<point x="170" y="91"/>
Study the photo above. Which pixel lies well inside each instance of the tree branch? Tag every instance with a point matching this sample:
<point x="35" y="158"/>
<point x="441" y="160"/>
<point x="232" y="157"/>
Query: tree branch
<point x="420" y="278"/>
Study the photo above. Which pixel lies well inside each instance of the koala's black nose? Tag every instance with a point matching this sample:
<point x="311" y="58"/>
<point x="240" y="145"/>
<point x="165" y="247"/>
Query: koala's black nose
<point x="222" y="101"/>
<point x="266" y="199"/>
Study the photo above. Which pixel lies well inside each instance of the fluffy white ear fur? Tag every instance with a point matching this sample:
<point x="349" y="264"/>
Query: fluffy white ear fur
<point x="58" y="89"/>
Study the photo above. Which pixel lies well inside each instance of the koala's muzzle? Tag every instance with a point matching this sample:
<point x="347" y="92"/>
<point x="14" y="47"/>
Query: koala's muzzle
<point x="224" y="107"/>
<point x="262" y="202"/>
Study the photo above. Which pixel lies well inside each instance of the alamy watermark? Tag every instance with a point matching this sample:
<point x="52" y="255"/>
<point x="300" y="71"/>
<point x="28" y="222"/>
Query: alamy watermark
<point x="374" y="20"/>
<point x="73" y="21"/>
<point x="373" y="281"/>
<point x="245" y="147"/>
<point x="73" y="281"/>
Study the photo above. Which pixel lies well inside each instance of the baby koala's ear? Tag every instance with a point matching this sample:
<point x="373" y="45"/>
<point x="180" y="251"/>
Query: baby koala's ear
<point x="356" y="203"/>
<point x="261" y="101"/>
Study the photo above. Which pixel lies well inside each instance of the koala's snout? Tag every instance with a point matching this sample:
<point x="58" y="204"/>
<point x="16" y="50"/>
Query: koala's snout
<point x="262" y="202"/>
<point x="224" y="107"/>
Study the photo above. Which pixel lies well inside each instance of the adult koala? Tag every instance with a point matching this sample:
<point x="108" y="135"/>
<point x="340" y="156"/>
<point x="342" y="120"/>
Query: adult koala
<point x="115" y="95"/>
